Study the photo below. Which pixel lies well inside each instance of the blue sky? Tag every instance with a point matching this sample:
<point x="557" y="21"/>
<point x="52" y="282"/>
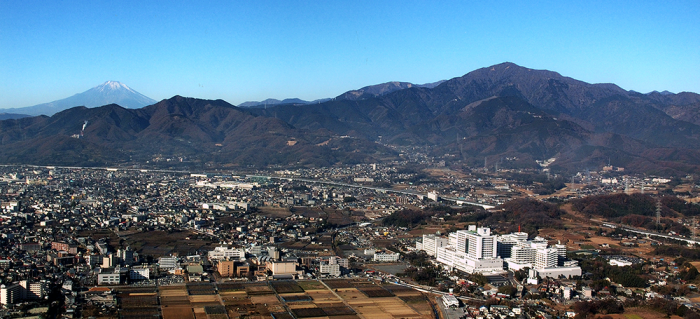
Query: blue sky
<point x="251" y="50"/>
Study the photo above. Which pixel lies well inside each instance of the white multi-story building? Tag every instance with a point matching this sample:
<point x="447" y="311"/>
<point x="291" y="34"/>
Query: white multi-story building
<point x="109" y="277"/>
<point x="386" y="257"/>
<point x="329" y="269"/>
<point x="561" y="253"/>
<point x="536" y="254"/>
<point x="10" y="294"/>
<point x="431" y="243"/>
<point x="227" y="253"/>
<point x="333" y="260"/>
<point x="24" y="290"/>
<point x="471" y="251"/>
<point x="505" y="243"/>
<point x="546" y="258"/>
<point x="139" y="273"/>
<point x="476" y="250"/>
<point x="33" y="290"/>
<point x="521" y="256"/>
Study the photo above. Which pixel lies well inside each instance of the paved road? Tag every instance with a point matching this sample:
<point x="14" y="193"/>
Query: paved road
<point x="646" y="232"/>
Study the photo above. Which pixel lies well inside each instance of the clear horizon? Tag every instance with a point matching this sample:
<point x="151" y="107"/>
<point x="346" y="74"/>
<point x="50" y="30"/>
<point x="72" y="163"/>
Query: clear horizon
<point x="255" y="51"/>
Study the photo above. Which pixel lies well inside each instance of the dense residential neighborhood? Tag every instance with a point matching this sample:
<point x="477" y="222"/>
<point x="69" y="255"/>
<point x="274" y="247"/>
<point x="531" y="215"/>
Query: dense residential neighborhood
<point x="77" y="242"/>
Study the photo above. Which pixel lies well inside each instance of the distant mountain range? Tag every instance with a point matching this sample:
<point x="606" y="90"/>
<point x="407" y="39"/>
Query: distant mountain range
<point x="103" y="94"/>
<point x="360" y="94"/>
<point x="382" y="89"/>
<point x="10" y="116"/>
<point x="271" y="102"/>
<point x="504" y="114"/>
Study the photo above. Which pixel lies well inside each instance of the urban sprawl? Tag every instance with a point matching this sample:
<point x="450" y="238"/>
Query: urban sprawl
<point x="135" y="243"/>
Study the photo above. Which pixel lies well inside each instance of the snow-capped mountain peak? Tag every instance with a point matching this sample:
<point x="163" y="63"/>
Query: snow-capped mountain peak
<point x="113" y="85"/>
<point x="103" y="94"/>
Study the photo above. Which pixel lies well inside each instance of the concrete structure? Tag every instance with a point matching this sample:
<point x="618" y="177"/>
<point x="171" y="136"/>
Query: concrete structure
<point x="282" y="267"/>
<point x="139" y="273"/>
<point x="505" y="243"/>
<point x="471" y="251"/>
<point x="109" y="277"/>
<point x="242" y="269"/>
<point x="226" y="268"/>
<point x="386" y="257"/>
<point x="619" y="262"/>
<point x="168" y="262"/>
<point x="557" y="272"/>
<point x="126" y="256"/>
<point x="536" y="254"/>
<point x="546" y="258"/>
<point x="34" y="290"/>
<point x="431" y="243"/>
<point x="433" y="196"/>
<point x="10" y="294"/>
<point x="450" y="301"/>
<point x="327" y="269"/>
<point x="227" y="253"/>
<point x="109" y="261"/>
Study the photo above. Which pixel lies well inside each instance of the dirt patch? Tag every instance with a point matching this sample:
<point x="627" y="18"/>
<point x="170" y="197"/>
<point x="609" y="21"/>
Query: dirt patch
<point x="274" y="212"/>
<point x="177" y="312"/>
<point x="162" y="243"/>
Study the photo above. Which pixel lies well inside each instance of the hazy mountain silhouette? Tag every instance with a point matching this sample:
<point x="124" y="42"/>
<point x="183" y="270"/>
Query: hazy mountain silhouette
<point x="103" y="94"/>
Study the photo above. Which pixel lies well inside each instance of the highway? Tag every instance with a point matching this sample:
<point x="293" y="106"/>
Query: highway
<point x="647" y="232"/>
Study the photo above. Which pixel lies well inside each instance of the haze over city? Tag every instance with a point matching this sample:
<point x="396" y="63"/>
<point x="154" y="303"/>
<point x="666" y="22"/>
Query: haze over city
<point x="252" y="51"/>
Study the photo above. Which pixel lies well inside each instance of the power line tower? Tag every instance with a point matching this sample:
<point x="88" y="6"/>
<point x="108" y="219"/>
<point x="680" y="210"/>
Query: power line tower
<point x="658" y="212"/>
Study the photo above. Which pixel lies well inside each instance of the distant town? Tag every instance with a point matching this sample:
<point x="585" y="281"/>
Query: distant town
<point x="361" y="241"/>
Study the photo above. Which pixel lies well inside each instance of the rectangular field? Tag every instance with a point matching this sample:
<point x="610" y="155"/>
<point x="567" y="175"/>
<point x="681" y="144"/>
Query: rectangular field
<point x="177" y="312"/>
<point x="284" y="287"/>
<point x="351" y="294"/>
<point x="322" y="296"/>
<point x="311" y="285"/>
<point x="175" y="301"/>
<point x="375" y="292"/>
<point x="258" y="290"/>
